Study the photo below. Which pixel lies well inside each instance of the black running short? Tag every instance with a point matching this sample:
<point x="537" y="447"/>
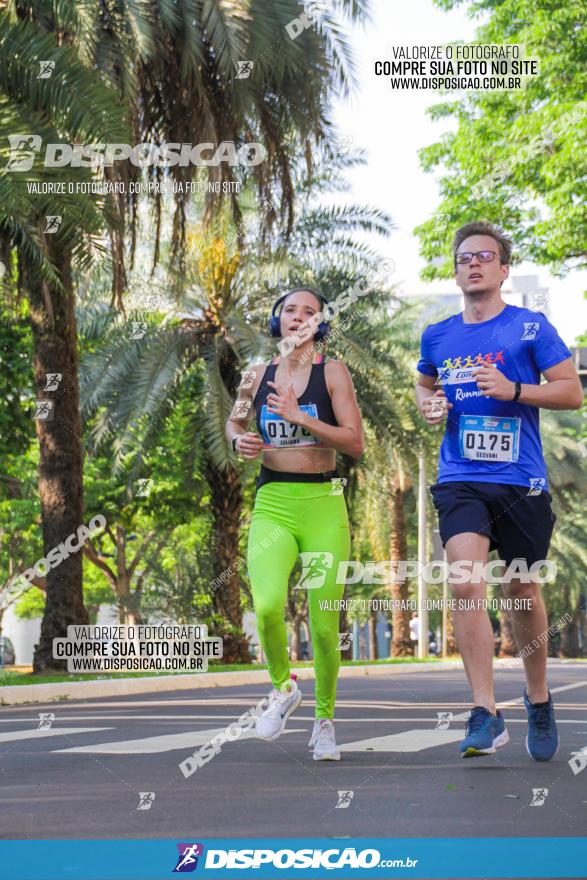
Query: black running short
<point x="518" y="525"/>
<point x="267" y="475"/>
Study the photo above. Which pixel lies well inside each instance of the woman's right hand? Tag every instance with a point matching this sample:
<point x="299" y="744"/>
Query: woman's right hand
<point x="249" y="445"/>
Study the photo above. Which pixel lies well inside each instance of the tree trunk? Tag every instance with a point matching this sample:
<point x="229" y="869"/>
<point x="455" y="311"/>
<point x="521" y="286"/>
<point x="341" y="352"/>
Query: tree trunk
<point x="226" y="503"/>
<point x="122" y="578"/>
<point x="346" y="653"/>
<point x="129" y="611"/>
<point x="581" y="620"/>
<point x="508" y="642"/>
<point x="297" y="640"/>
<point x="61" y="457"/>
<point x="373" y="652"/>
<point x="569" y="634"/>
<point x="401" y="644"/>
<point x="362" y="646"/>
<point x="93" y="611"/>
<point x="569" y="645"/>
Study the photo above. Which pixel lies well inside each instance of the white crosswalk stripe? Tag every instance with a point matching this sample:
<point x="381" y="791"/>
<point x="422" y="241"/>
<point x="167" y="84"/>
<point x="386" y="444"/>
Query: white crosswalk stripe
<point x="413" y="740"/>
<point x="407" y="741"/>
<point x="12" y="735"/>
<point x="154" y="744"/>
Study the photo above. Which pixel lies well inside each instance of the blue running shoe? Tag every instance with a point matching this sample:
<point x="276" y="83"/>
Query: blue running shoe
<point x="542" y="739"/>
<point x="484" y="733"/>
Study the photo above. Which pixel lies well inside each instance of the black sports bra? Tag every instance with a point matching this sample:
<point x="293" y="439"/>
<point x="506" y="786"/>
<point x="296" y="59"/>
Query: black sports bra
<point x="276" y="432"/>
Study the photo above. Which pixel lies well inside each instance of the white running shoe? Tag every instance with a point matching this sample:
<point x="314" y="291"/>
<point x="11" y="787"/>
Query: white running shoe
<point x="325" y="743"/>
<point x="314" y="736"/>
<point x="271" y="723"/>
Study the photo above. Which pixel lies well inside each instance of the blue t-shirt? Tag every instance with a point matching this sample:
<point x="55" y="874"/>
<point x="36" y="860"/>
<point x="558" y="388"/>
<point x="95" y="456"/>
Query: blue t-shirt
<point x="486" y="440"/>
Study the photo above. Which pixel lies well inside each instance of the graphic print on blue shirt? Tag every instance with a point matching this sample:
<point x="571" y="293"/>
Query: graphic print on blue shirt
<point x="503" y="447"/>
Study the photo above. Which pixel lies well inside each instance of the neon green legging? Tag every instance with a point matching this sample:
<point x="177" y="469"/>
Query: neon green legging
<point x="289" y="519"/>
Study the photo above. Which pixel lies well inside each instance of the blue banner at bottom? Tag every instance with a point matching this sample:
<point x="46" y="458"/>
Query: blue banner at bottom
<point x="277" y="858"/>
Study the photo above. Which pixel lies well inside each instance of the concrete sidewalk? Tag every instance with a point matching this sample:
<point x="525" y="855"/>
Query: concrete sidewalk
<point x="12" y="695"/>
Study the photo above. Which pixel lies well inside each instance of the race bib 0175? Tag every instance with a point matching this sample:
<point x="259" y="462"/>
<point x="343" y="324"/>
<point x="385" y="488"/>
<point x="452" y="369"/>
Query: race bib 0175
<point x="485" y="438"/>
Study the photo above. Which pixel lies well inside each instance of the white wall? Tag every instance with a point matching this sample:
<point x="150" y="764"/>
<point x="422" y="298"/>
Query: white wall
<point x="24" y="634"/>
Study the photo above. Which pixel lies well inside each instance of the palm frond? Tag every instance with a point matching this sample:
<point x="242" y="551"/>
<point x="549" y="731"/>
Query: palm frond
<point x="217" y="410"/>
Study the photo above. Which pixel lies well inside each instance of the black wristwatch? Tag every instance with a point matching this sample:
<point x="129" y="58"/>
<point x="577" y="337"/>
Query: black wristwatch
<point x="233" y="442"/>
<point x="518" y="391"/>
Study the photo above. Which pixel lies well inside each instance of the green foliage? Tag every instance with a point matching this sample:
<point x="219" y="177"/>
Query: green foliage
<point x="561" y="432"/>
<point x="539" y="188"/>
<point x="178" y="585"/>
<point x="20" y="517"/>
<point x="111" y="84"/>
<point x="160" y="402"/>
<point x="96" y="593"/>
<point x="17" y="429"/>
<point x="70" y="105"/>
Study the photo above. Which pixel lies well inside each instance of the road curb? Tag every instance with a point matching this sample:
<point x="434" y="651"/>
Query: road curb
<point x="13" y="695"/>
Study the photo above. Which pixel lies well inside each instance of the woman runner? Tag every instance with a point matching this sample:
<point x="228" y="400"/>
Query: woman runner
<point x="306" y="411"/>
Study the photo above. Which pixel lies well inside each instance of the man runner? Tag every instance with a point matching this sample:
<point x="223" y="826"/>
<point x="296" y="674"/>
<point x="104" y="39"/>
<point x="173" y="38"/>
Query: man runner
<point x="492" y="489"/>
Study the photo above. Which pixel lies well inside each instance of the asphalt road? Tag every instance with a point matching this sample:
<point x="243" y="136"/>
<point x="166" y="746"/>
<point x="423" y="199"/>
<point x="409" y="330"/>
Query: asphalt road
<point x="82" y="777"/>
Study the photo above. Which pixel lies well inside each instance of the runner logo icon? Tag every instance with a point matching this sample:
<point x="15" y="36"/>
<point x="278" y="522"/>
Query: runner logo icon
<point x="539" y="795"/>
<point x="530" y="331"/>
<point x="314" y="568"/>
<point x="188" y="857"/>
<point x="345" y="641"/>
<point x="537" y="484"/>
<point x="344" y="799"/>
<point x="444" y="719"/>
<point x="458" y="376"/>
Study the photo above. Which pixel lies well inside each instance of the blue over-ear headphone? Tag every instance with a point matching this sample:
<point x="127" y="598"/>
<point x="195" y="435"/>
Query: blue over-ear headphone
<point x="323" y="328"/>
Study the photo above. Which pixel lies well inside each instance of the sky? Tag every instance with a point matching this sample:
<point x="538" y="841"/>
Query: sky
<point x="392" y="126"/>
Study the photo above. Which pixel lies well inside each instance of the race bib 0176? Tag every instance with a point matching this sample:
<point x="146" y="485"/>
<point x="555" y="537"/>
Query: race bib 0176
<point x="280" y="434"/>
<point x="485" y="438"/>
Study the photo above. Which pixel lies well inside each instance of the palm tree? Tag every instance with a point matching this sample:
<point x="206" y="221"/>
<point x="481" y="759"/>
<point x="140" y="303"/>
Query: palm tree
<point x="174" y="68"/>
<point x="177" y="69"/>
<point x="568" y="549"/>
<point x="218" y="323"/>
<point x="39" y="253"/>
<point x="392" y="455"/>
<point x="568" y="485"/>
